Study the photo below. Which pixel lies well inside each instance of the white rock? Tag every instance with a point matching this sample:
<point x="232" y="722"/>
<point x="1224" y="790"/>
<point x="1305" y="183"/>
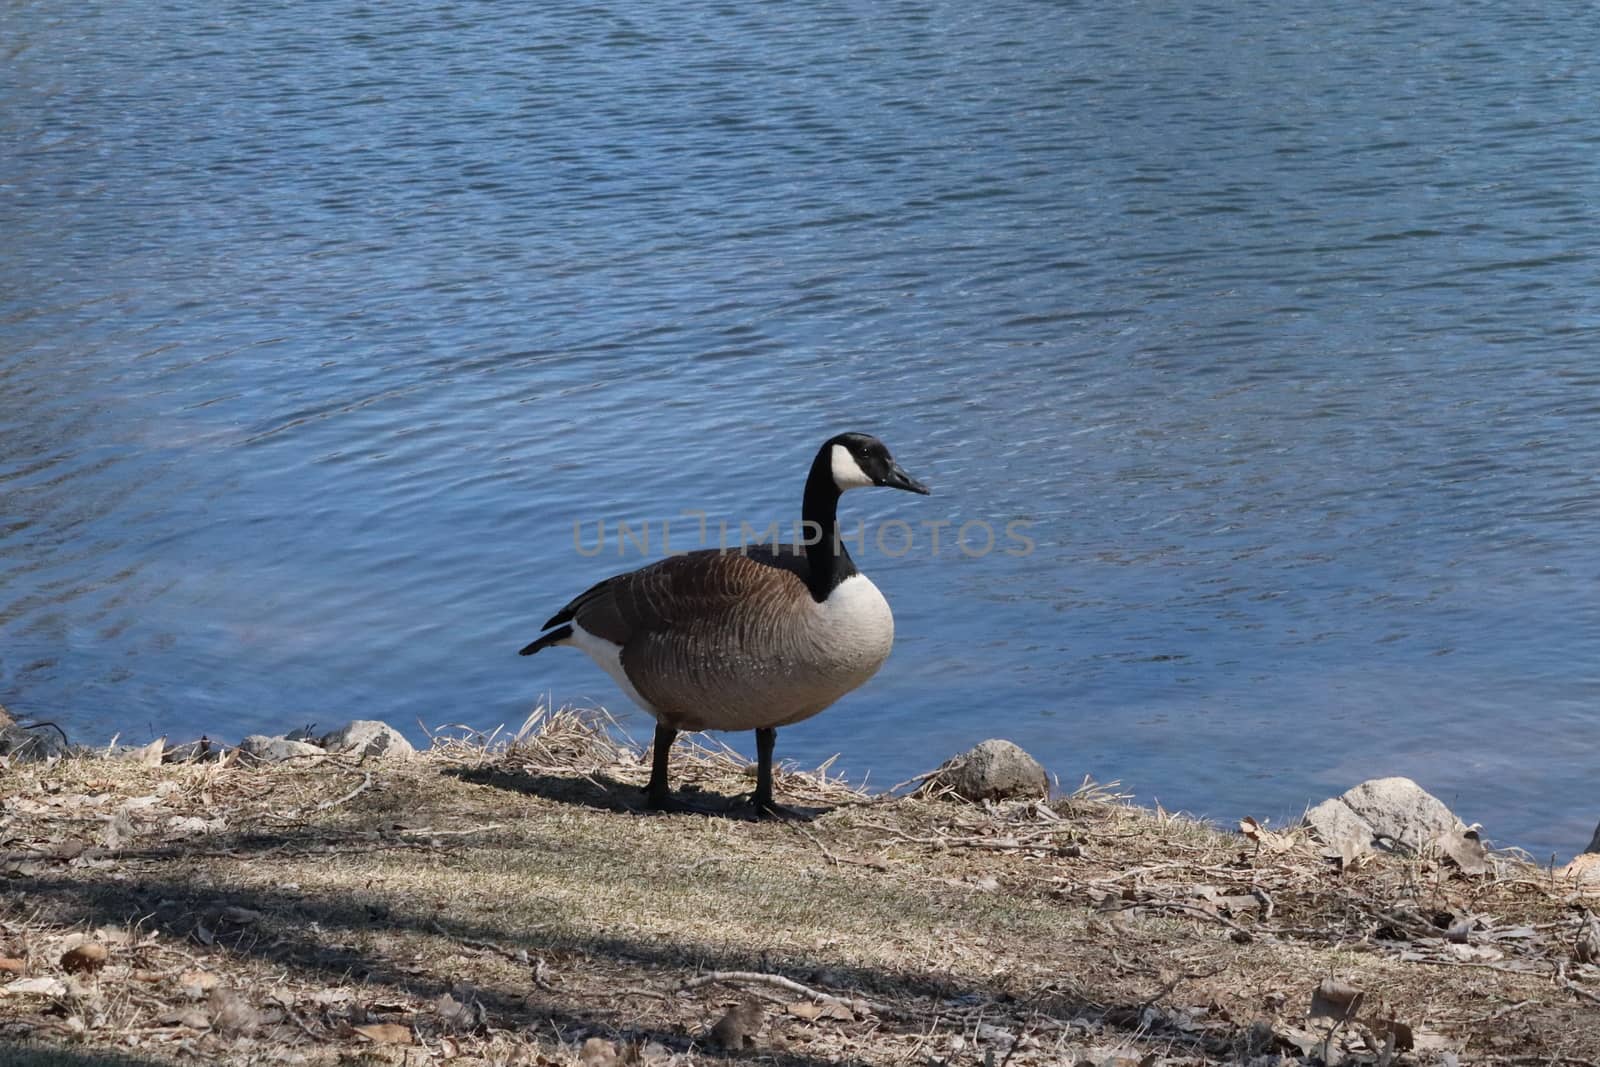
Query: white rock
<point x="1334" y="824"/>
<point x="367" y="737"/>
<point x="1390" y="812"/>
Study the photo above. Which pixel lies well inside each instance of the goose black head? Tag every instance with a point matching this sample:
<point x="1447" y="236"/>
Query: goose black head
<point x="859" y="460"/>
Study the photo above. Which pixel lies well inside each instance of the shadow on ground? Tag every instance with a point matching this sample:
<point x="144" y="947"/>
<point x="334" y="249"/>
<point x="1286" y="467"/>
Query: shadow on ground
<point x="315" y="937"/>
<point x="13" y="1054"/>
<point x="602" y="792"/>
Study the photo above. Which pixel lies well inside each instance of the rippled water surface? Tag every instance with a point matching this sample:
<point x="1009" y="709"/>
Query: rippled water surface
<point x="321" y="324"/>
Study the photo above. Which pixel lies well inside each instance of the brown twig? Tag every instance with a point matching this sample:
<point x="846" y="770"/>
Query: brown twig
<point x="877" y="865"/>
<point x="366" y="783"/>
<point x="432" y="832"/>
<point x="515" y="955"/>
<point x="1472" y="964"/>
<point x="778" y="981"/>
<point x="1194" y="910"/>
<point x="1577" y="990"/>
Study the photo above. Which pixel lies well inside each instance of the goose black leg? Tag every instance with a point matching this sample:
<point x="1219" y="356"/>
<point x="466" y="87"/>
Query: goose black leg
<point x="766" y="738"/>
<point x="655" y="794"/>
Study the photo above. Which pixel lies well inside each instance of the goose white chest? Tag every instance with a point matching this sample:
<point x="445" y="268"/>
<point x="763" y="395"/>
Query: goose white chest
<point x="854" y="626"/>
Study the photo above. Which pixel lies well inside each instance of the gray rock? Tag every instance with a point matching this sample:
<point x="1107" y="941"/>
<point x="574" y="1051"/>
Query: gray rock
<point x="263" y="749"/>
<point x="1392" y="813"/>
<point x="1401" y="810"/>
<point x="367" y="737"/>
<point x="993" y="770"/>
<point x="1594" y="842"/>
<point x="23" y="745"/>
<point x="1335" y="824"/>
<point x="192" y="751"/>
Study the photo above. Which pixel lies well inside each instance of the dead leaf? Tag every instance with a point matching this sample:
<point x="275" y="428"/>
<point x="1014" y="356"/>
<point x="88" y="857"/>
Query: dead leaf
<point x="598" y="1052"/>
<point x="231" y="1013"/>
<point x="1404" y="1038"/>
<point x="193" y="1018"/>
<point x="811" y="1011"/>
<point x="113" y="935"/>
<point x="11" y="966"/>
<point x="147" y="755"/>
<point x="203" y="934"/>
<point x="86" y="958"/>
<point x="118" y="832"/>
<point x="654" y="1052"/>
<point x="1428" y="1041"/>
<point x="1473" y="953"/>
<point x="196" y="984"/>
<point x="1465" y="850"/>
<point x="1349" y="852"/>
<point x="386" y="1033"/>
<point x="1301" y="1040"/>
<point x="1267" y="839"/>
<point x="457" y="1015"/>
<point x="35" y="987"/>
<point x="1333" y="999"/>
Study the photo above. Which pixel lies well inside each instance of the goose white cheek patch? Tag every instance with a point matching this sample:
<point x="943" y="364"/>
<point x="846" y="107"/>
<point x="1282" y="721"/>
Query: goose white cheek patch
<point x="847" y="473"/>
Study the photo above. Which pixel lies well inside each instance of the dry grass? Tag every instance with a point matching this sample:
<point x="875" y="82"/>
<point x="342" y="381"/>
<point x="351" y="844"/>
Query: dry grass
<point x="503" y="900"/>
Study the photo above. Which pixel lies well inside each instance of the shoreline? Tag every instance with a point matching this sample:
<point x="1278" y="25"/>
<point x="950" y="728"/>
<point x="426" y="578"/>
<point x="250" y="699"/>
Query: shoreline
<point x="473" y="904"/>
<point x="375" y="737"/>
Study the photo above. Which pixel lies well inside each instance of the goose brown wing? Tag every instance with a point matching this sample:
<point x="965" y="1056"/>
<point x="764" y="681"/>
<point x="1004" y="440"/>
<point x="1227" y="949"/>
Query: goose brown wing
<point x="691" y="594"/>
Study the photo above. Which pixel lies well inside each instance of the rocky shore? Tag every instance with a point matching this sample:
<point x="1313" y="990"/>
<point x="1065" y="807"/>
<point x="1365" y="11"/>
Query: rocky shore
<point x="1392" y="814"/>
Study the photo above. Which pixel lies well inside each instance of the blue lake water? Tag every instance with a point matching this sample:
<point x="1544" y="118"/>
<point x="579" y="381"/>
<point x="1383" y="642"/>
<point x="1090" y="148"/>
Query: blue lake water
<point x="322" y="324"/>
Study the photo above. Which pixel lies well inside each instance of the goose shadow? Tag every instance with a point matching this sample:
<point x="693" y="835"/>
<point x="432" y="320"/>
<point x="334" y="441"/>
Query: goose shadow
<point x="603" y="792"/>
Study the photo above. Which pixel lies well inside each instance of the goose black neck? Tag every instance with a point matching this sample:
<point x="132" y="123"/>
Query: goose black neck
<point x="828" y="563"/>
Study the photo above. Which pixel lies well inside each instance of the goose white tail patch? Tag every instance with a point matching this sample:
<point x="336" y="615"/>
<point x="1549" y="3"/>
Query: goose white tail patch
<point x="608" y="655"/>
<point x="847" y="473"/>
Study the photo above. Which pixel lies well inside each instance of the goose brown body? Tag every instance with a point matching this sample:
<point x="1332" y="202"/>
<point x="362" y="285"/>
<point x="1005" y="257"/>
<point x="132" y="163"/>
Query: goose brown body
<point x="717" y="640"/>
<point x="752" y="639"/>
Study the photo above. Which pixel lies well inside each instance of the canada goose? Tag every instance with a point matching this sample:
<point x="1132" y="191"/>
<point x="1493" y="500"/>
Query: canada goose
<point x="752" y="638"/>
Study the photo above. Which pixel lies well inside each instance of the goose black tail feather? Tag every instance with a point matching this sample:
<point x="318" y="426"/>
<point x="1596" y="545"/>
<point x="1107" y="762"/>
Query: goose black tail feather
<point x="554" y="637"/>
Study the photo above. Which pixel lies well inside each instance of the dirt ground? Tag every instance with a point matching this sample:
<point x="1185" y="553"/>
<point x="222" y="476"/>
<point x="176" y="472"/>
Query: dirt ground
<point x="511" y="904"/>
